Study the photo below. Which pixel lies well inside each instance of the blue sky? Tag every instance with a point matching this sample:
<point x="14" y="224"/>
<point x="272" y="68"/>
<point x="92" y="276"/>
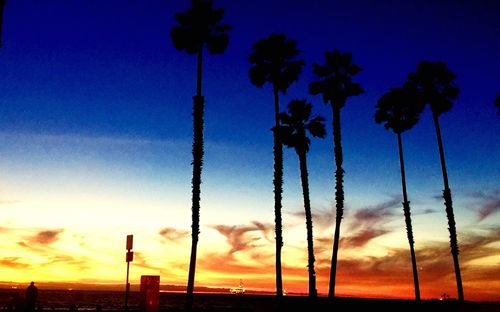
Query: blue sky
<point x="95" y="104"/>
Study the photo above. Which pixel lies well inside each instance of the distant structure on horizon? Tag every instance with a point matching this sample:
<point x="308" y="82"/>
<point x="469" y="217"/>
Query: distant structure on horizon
<point x="240" y="290"/>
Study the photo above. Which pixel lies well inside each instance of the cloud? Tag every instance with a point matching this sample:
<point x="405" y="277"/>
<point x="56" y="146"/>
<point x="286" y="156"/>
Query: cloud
<point x="237" y="236"/>
<point x="82" y="263"/>
<point x="368" y="223"/>
<point x="46" y="237"/>
<point x="361" y="238"/>
<point x="141" y="261"/>
<point x="374" y="215"/>
<point x="267" y="229"/>
<point x="13" y="262"/>
<point x="322" y="218"/>
<point x="226" y="264"/>
<point x="173" y="234"/>
<point x="489" y="203"/>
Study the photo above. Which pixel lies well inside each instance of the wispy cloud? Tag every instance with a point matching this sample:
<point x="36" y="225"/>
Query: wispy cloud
<point x="267" y="229"/>
<point x="141" y="261"/>
<point x="243" y="237"/>
<point x="361" y="238"/>
<point x="45" y="237"/>
<point x="173" y="234"/>
<point x="13" y="262"/>
<point x="487" y="203"/>
<point x="374" y="215"/>
<point x="238" y="236"/>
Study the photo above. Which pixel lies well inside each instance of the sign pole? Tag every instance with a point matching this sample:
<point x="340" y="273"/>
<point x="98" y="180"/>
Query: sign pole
<point x="129" y="258"/>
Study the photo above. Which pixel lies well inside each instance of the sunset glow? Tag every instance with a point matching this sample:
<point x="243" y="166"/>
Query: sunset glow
<point x="95" y="144"/>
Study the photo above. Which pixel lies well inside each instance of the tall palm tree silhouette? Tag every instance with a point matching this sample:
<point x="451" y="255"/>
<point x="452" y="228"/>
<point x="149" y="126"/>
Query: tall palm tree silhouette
<point x="336" y="86"/>
<point x="198" y="28"/>
<point x="399" y="110"/>
<point x="274" y="60"/>
<point x="294" y="128"/>
<point x="435" y="83"/>
<point x="2" y="5"/>
<point x="497" y="103"/>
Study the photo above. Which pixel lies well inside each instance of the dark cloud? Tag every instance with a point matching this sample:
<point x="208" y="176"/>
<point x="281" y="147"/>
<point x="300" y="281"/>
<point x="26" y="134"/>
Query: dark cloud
<point x="369" y="216"/>
<point x="45" y="237"/>
<point x="487" y="203"/>
<point x="238" y="236"/>
<point x="267" y="229"/>
<point x="361" y="238"/>
<point x="173" y="234"/>
<point x="242" y="237"/>
<point x="13" y="262"/>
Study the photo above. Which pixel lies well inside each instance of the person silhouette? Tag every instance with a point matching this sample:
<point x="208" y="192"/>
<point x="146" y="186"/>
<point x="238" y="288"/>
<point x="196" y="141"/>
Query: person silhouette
<point x="31" y="294"/>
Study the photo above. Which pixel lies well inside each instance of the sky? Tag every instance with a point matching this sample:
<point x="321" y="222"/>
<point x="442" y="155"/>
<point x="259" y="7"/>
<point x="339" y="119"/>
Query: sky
<point x="96" y="132"/>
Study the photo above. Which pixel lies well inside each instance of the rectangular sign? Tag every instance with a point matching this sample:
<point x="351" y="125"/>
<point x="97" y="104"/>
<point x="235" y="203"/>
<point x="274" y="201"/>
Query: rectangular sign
<point x="130" y="241"/>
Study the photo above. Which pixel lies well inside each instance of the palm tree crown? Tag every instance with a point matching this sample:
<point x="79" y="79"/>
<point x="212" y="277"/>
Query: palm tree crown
<point x="435" y="83"/>
<point x="297" y="122"/>
<point x="274" y="60"/>
<point x="399" y="109"/>
<point x="337" y="73"/>
<point x="199" y="26"/>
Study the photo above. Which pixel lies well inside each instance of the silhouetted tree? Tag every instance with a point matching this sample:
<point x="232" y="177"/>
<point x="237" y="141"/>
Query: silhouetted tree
<point x="336" y="86"/>
<point x="295" y="126"/>
<point x="2" y="5"/>
<point x="274" y="60"/>
<point x="497" y="103"/>
<point x="399" y="110"/>
<point x="198" y="28"/>
<point x="435" y="83"/>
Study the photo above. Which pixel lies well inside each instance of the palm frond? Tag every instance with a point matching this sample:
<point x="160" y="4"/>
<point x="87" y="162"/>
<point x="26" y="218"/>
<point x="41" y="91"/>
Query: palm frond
<point x="199" y="26"/>
<point x="336" y="78"/>
<point x="273" y="60"/>
<point x="436" y="84"/>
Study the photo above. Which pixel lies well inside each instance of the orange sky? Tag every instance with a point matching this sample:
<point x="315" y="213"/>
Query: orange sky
<point x="374" y="259"/>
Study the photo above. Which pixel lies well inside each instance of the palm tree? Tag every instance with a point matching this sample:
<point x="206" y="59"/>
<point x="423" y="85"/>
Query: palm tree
<point x="435" y="83"/>
<point x="274" y="60"/>
<point x="399" y="110"/>
<point x="295" y="125"/>
<point x="497" y="103"/>
<point x="2" y="5"/>
<point x="197" y="28"/>
<point x="336" y="86"/>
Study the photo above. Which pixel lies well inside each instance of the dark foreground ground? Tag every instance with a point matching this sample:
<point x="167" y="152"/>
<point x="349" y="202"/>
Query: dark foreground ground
<point x="87" y="301"/>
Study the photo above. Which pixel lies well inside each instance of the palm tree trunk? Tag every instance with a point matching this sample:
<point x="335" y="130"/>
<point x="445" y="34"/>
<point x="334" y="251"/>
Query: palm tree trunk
<point x="407" y="214"/>
<point x="2" y="5"/>
<point x="198" y="108"/>
<point x="449" y="211"/>
<point x="339" y="194"/>
<point x="278" y="189"/>
<point x="309" y="226"/>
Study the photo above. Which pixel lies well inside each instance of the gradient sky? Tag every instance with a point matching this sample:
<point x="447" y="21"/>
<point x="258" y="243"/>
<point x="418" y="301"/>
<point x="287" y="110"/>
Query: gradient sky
<point x="96" y="130"/>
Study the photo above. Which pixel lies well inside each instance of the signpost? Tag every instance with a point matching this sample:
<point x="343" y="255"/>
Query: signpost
<point x="129" y="258"/>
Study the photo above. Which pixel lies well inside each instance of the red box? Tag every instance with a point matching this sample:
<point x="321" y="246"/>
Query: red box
<point x="150" y="293"/>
